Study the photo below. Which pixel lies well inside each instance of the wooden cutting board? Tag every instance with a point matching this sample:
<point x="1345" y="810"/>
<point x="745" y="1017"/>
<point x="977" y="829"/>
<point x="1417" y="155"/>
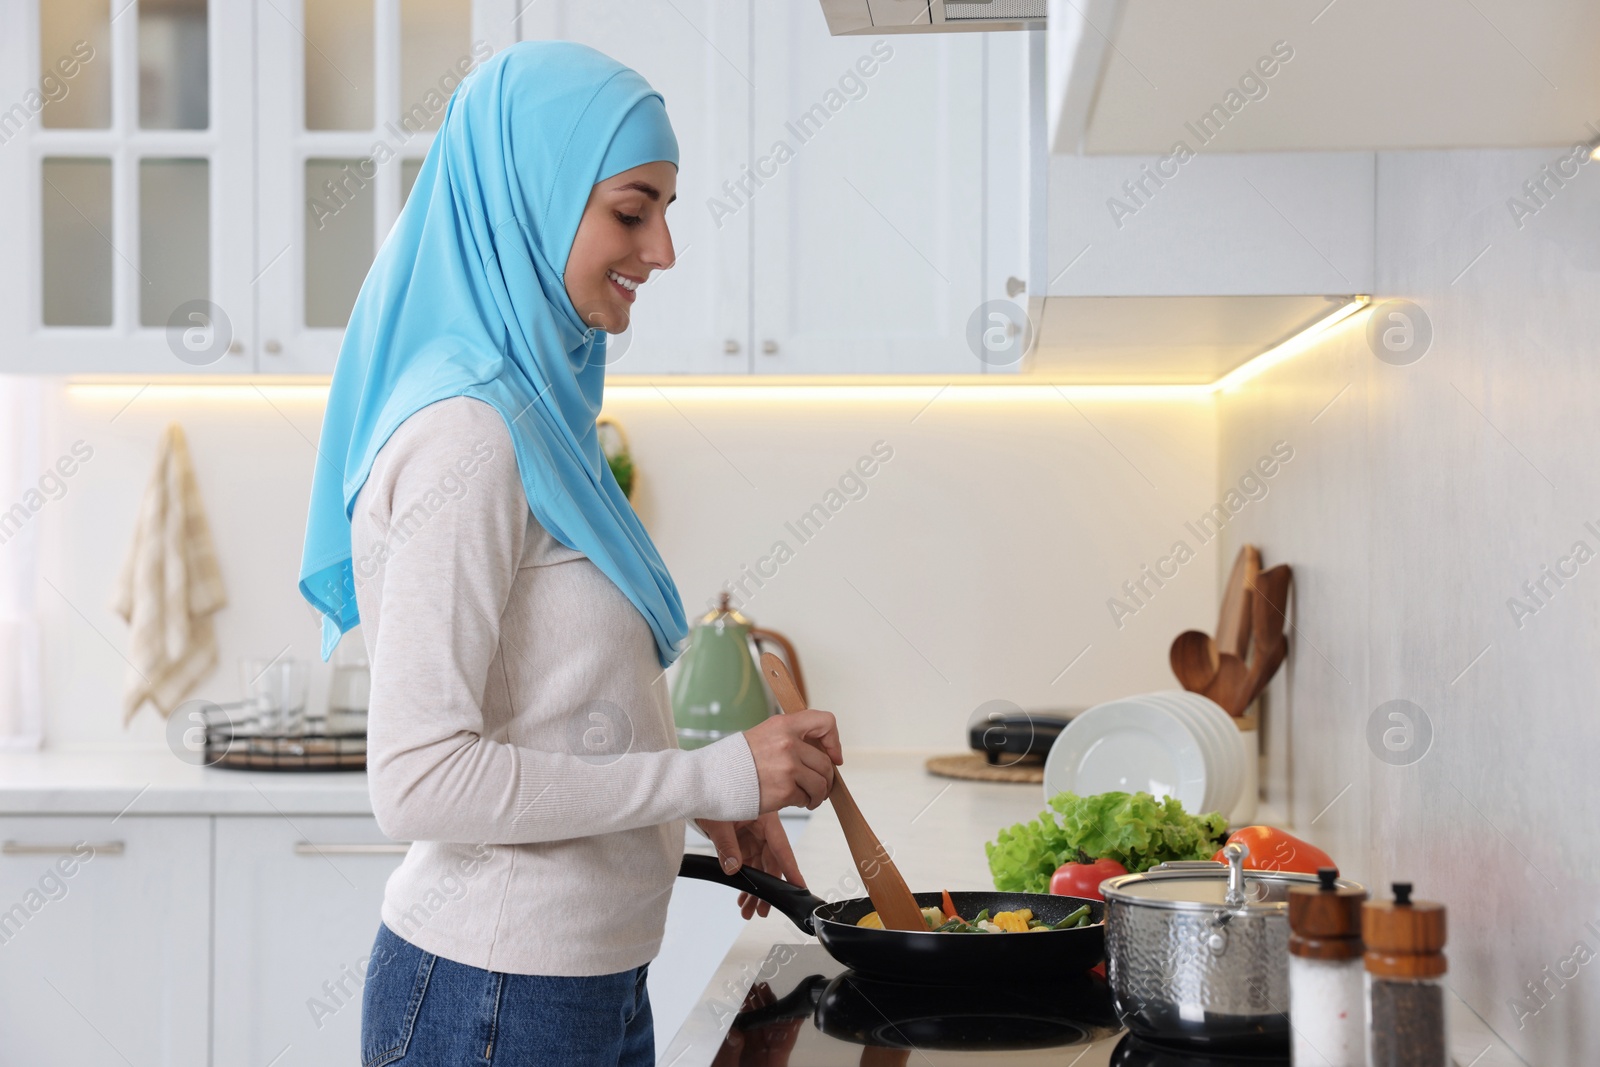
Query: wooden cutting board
<point x="975" y="767"/>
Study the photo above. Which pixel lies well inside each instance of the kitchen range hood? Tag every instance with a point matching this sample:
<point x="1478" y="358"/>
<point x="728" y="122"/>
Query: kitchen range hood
<point x="879" y="17"/>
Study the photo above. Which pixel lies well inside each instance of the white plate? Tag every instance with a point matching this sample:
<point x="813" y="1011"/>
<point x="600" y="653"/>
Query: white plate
<point x="1219" y="777"/>
<point x="1129" y="746"/>
<point x="1224" y="765"/>
<point x="1246" y="751"/>
<point x="1227" y="728"/>
<point x="1221" y="743"/>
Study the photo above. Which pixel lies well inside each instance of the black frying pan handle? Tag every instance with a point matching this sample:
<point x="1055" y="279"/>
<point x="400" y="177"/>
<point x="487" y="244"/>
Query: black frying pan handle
<point x="794" y="902"/>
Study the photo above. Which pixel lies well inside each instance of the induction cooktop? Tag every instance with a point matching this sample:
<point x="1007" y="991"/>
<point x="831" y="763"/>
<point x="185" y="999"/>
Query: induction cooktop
<point x="807" y="1010"/>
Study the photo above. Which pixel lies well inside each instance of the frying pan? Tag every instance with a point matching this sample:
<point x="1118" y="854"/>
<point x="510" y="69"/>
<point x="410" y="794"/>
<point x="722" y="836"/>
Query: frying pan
<point x="926" y="957"/>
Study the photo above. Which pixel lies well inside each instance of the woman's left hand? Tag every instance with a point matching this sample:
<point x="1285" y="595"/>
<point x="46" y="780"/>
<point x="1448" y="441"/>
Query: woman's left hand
<point x="760" y="843"/>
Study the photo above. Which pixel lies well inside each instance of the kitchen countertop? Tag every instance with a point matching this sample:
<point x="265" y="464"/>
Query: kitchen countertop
<point x="935" y="829"/>
<point x="155" y="782"/>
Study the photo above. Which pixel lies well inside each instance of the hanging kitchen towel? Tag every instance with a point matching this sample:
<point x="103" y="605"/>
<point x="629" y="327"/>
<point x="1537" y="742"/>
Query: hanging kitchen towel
<point x="170" y="586"/>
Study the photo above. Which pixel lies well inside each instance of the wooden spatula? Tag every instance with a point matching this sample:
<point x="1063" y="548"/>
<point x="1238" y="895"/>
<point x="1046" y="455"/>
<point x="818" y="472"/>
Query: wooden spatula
<point x="1228" y="687"/>
<point x="889" y="892"/>
<point x="1233" y="625"/>
<point x="1273" y="588"/>
<point x="1269" y="641"/>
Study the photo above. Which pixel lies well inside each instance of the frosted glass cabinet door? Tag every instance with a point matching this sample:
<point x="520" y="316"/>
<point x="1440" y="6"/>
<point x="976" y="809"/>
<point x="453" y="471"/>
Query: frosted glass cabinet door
<point x="126" y="167"/>
<point x="79" y="32"/>
<point x="76" y="258"/>
<point x="351" y="93"/>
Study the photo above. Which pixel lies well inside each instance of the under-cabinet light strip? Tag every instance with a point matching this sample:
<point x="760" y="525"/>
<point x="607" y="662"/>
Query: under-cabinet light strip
<point x="921" y="389"/>
<point x="1290" y="348"/>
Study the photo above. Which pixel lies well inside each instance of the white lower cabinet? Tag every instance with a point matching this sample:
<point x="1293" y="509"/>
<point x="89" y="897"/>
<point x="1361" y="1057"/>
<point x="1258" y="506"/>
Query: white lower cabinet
<point x="104" y="940"/>
<point x="233" y="941"/>
<point x="296" y="911"/>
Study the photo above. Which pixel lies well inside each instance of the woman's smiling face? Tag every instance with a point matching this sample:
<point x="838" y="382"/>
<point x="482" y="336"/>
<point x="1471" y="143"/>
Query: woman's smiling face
<point x="622" y="238"/>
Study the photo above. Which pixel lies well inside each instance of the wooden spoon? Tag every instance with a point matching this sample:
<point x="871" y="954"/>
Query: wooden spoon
<point x="890" y="895"/>
<point x="1228" y="687"/>
<point x="1233" y="624"/>
<point x="1194" y="660"/>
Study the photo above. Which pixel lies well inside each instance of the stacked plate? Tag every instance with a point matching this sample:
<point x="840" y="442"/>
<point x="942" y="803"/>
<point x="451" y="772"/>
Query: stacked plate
<point x="1173" y="743"/>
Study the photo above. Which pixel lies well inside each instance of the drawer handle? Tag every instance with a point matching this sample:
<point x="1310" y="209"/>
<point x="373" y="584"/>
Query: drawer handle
<point x="21" y="848"/>
<point x="306" y="848"/>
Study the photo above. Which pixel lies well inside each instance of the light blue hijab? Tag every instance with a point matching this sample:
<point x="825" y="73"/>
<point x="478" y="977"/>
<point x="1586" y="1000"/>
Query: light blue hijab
<point x="466" y="298"/>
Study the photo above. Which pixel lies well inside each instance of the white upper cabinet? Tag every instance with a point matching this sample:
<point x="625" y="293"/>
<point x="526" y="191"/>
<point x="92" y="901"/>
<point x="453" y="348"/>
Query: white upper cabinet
<point x="835" y="201"/>
<point x="1180" y="192"/>
<point x="191" y="186"/>
<point x="695" y="317"/>
<point x="868" y="183"/>
<point x="352" y="92"/>
<point x="200" y="187"/>
<point x="126" y="175"/>
<point x="1202" y="225"/>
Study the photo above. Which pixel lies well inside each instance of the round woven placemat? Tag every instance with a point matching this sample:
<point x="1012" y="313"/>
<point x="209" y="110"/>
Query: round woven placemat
<point x="975" y="766"/>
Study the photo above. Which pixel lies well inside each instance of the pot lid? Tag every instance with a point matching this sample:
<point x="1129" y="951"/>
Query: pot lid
<point x="1204" y="886"/>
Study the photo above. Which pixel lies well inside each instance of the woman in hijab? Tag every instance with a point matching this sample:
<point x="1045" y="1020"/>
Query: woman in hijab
<point x="517" y="617"/>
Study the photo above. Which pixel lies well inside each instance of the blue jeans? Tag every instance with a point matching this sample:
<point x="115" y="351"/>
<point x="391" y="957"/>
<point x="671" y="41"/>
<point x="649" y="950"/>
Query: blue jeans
<point x="422" y="1010"/>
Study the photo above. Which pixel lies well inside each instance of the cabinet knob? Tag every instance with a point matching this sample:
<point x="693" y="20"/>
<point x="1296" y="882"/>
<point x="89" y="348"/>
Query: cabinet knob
<point x="769" y="347"/>
<point x="730" y="347"/>
<point x="236" y="348"/>
<point x="272" y="348"/>
<point x="1015" y="286"/>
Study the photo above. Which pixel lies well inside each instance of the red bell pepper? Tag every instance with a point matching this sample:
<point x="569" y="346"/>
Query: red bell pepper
<point x="1273" y="850"/>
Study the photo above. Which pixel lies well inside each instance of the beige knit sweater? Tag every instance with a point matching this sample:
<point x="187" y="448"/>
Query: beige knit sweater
<point x="519" y="730"/>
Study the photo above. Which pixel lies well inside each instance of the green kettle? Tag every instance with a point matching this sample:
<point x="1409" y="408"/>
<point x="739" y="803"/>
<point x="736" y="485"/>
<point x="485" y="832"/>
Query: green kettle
<point x="719" y="690"/>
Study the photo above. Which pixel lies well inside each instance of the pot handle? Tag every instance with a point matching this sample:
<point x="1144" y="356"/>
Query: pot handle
<point x="795" y="903"/>
<point x="1236" y="853"/>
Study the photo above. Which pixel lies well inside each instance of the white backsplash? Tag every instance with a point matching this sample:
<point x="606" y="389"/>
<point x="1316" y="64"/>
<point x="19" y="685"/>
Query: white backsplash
<point x="974" y="563"/>
<point x="1420" y="500"/>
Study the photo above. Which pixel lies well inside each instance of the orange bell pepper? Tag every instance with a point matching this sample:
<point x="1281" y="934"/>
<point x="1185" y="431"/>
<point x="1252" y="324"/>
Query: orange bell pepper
<point x="1273" y="850"/>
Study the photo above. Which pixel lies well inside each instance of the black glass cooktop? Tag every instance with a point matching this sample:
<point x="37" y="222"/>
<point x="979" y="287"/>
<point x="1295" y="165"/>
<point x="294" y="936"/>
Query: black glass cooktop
<point x="805" y="1010"/>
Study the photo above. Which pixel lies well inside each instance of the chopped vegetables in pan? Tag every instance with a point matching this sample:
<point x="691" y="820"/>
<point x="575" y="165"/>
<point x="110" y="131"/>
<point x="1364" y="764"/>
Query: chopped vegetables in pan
<point x="946" y="921"/>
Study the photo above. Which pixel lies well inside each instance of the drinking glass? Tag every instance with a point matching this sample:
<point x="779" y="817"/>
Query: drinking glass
<point x="275" y="689"/>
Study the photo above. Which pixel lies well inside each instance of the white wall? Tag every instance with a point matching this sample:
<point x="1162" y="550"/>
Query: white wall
<point x="981" y="556"/>
<point x="1421" y="498"/>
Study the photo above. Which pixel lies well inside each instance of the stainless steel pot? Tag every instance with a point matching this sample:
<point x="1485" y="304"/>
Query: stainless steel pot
<point x="1199" y="952"/>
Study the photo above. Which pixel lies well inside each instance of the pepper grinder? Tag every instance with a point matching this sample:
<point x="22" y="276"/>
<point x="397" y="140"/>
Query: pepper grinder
<point x="1405" y="966"/>
<point x="1327" y="989"/>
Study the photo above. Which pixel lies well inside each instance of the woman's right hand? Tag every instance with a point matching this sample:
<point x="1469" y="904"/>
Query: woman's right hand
<point x="795" y="756"/>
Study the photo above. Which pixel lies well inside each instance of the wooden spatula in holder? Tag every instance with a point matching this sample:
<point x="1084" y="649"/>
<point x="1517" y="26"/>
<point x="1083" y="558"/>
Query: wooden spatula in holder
<point x="888" y="890"/>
